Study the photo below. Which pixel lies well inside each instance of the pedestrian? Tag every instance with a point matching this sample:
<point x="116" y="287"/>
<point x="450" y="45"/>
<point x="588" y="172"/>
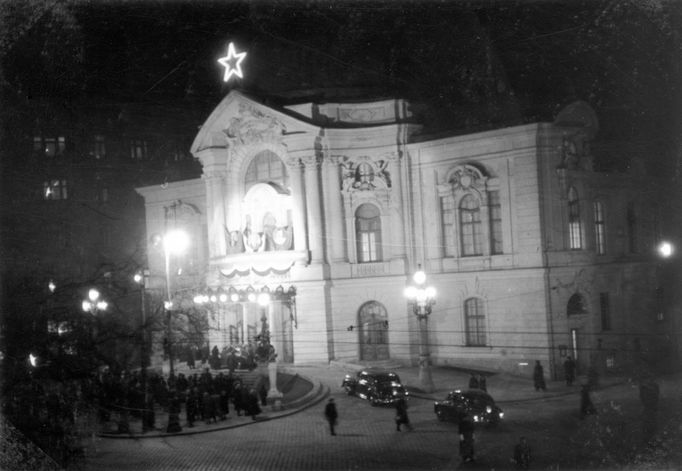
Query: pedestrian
<point x="473" y="381"/>
<point x="569" y="371"/>
<point x="466" y="438"/>
<point x="401" y="417"/>
<point x="539" y="377"/>
<point x="238" y="398"/>
<point x="586" y="406"/>
<point x="252" y="406"/>
<point x="263" y="393"/>
<point x="522" y="454"/>
<point x="482" y="384"/>
<point x="331" y="414"/>
<point x="192" y="406"/>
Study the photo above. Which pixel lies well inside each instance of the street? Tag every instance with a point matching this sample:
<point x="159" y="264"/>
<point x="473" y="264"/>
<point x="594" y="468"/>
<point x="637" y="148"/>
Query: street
<point x="367" y="440"/>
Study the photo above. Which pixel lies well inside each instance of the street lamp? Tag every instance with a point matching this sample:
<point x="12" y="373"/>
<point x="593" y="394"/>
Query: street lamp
<point x="422" y="298"/>
<point x="141" y="279"/>
<point x="93" y="303"/>
<point x="174" y="242"/>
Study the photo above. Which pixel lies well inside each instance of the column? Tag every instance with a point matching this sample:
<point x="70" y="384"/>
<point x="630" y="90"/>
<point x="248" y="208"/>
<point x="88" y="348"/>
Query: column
<point x="399" y="247"/>
<point x="314" y="213"/>
<point x="336" y="235"/>
<point x="298" y="196"/>
<point x="215" y="211"/>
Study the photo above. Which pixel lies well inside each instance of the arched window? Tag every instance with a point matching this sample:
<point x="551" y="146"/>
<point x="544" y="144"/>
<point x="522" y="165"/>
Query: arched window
<point x="576" y="305"/>
<point x="368" y="233"/>
<point x="266" y="167"/>
<point x="474" y="319"/>
<point x="574" y="225"/>
<point x="470" y="226"/>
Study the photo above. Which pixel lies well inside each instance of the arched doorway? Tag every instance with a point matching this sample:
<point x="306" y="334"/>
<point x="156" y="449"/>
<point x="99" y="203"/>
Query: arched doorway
<point x="373" y="332"/>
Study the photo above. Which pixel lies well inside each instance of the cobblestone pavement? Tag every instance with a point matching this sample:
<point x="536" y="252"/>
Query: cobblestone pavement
<point x="366" y="436"/>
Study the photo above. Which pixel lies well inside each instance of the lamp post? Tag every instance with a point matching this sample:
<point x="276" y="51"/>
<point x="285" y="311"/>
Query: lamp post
<point x="268" y="351"/>
<point x="422" y="298"/>
<point x="141" y="279"/>
<point x="175" y="242"/>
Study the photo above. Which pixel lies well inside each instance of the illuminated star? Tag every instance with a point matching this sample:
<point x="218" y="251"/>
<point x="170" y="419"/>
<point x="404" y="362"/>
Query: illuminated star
<point x="232" y="63"/>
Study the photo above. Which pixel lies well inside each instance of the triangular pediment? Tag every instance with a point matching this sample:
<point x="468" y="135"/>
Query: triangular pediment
<point x="242" y="120"/>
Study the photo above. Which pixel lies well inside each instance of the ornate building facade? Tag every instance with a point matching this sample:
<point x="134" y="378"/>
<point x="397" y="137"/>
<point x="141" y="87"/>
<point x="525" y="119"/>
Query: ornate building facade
<point x="310" y="219"/>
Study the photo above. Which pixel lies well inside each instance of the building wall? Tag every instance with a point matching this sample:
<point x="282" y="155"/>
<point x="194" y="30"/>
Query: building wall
<point x="523" y="290"/>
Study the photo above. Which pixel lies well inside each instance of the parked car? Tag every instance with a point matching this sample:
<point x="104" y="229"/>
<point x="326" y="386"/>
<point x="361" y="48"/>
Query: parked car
<point x="477" y="403"/>
<point x="379" y="387"/>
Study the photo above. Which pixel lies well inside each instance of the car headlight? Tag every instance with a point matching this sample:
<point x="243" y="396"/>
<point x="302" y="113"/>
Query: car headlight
<point x="477" y="418"/>
<point x="488" y="409"/>
<point x="501" y="414"/>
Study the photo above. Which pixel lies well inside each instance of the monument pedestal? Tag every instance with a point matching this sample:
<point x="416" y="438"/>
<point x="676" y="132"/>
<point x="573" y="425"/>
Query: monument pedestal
<point x="274" y="395"/>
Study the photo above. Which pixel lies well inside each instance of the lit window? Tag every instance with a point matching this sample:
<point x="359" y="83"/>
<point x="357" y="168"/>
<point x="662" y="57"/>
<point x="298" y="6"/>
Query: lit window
<point x="599" y="228"/>
<point x="55" y="190"/>
<point x="266" y="167"/>
<point x="495" y="209"/>
<point x="470" y="226"/>
<point x="98" y="150"/>
<point x="574" y="229"/>
<point x="49" y="146"/>
<point x="368" y="233"/>
<point x="474" y="316"/>
<point x="138" y="149"/>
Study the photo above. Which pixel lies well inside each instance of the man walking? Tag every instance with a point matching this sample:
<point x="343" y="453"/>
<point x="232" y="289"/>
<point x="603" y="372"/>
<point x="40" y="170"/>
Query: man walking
<point x="331" y="414"/>
<point x="401" y="414"/>
<point x="539" y="377"/>
<point x="466" y="438"/>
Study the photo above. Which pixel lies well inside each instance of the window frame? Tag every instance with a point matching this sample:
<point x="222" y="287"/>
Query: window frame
<point x="575" y="240"/>
<point x="368" y="236"/>
<point x="471" y="231"/>
<point x="599" y="227"/>
<point x="476" y="331"/>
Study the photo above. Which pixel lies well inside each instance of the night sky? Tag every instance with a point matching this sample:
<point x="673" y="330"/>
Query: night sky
<point x="467" y="66"/>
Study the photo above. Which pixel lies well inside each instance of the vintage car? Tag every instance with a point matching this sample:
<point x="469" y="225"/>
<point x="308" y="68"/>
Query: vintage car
<point x="379" y="387"/>
<point x="478" y="404"/>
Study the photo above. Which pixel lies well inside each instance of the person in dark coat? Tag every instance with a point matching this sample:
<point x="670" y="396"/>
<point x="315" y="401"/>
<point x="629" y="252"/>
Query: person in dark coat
<point x="466" y="438"/>
<point x="331" y="414"/>
<point x="586" y="406"/>
<point x="401" y="417"/>
<point x="252" y="406"/>
<point x="539" y="377"/>
<point x="473" y="381"/>
<point x="522" y="454"/>
<point x="209" y="413"/>
<point x="569" y="371"/>
<point x="238" y="398"/>
<point x="192" y="406"/>
<point x="482" y="384"/>
<point x="191" y="357"/>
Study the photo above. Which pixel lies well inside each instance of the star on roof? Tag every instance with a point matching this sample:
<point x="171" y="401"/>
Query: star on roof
<point x="232" y="63"/>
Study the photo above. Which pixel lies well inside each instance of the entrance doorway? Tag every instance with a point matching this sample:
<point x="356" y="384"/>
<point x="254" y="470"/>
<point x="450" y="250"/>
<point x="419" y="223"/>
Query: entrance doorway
<point x="373" y="332"/>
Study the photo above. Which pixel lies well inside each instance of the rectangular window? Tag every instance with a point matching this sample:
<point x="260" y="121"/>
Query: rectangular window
<point x="605" y="308"/>
<point x="368" y="247"/>
<point x="55" y="190"/>
<point x="574" y="229"/>
<point x="448" y="215"/>
<point x="470" y="226"/>
<point x="138" y="149"/>
<point x="49" y="146"/>
<point x="632" y="228"/>
<point x="475" y="322"/>
<point x="495" y="208"/>
<point x="98" y="150"/>
<point x="599" y="228"/>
